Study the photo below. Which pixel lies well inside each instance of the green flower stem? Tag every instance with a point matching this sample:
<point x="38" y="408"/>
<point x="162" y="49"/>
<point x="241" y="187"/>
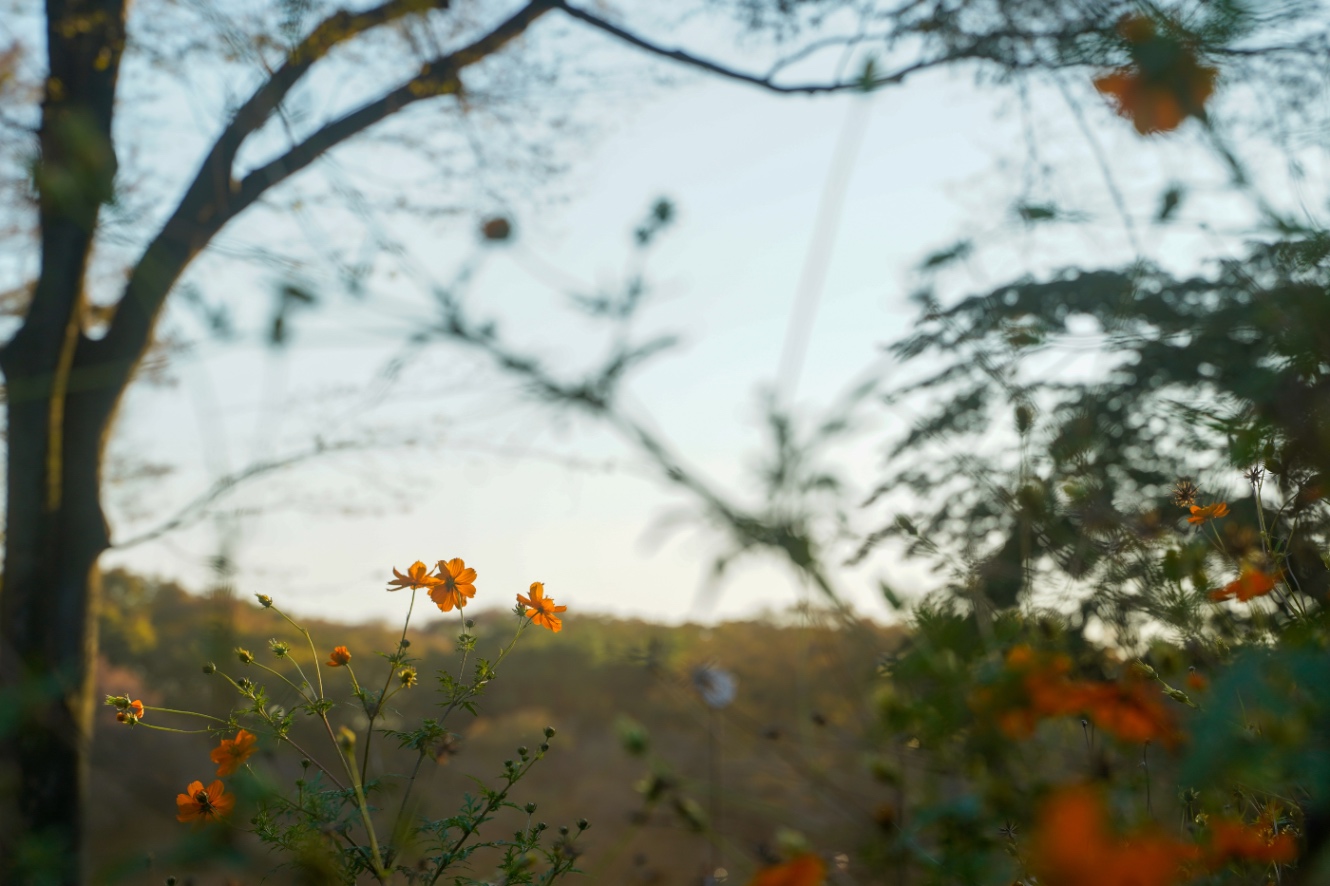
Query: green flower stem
<point x="453" y="704"/>
<point x="312" y="651"/>
<point x="279" y="675"/>
<point x="383" y="696"/>
<point x="185" y="713"/>
<point x="300" y="807"/>
<point x="310" y="757"/>
<point x="170" y="729"/>
<point x="379" y="873"/>
<point x="473" y="690"/>
<point x="301" y="672"/>
<point x="410" y="783"/>
<point x="492" y="804"/>
<point x="466" y="649"/>
<point x="561" y="867"/>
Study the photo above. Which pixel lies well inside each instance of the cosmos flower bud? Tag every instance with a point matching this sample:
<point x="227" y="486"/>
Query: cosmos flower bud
<point x="279" y="648"/>
<point x="264" y="600"/>
<point x="245" y="656"/>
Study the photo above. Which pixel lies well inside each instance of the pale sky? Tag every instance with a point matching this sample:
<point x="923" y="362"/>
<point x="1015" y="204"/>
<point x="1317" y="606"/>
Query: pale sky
<point x="488" y="478"/>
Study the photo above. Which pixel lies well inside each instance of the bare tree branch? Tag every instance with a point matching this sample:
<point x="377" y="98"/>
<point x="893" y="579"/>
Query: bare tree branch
<point x="333" y="30"/>
<point x="214" y="197"/>
<point x="765" y="82"/>
<point x="786" y="535"/>
<point x="198" y="508"/>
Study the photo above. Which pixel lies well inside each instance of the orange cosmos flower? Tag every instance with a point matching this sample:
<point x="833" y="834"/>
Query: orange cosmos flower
<point x="232" y="752"/>
<point x="806" y="870"/>
<point x="541" y="609"/>
<point x="198" y="804"/>
<point x="453" y="585"/>
<point x="1250" y="584"/>
<point x="338" y="657"/>
<point x="1073" y="846"/>
<point x="1200" y="514"/>
<point x="1233" y="840"/>
<point x="1163" y="85"/>
<point x="1196" y="681"/>
<point x="417" y="576"/>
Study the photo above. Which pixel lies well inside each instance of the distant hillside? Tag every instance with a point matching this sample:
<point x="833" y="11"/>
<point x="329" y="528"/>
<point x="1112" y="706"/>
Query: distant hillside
<point x="791" y="746"/>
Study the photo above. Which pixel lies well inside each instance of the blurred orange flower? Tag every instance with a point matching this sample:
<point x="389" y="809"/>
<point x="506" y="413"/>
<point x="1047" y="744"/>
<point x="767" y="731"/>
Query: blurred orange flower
<point x="805" y="870"/>
<point x="1209" y="512"/>
<point x="453" y="585"/>
<point x="1043" y="691"/>
<point x="1130" y="710"/>
<point x="198" y="804"/>
<point x="1232" y="840"/>
<point x="1250" y="584"/>
<point x="232" y="752"/>
<point x="1073" y="846"/>
<point x="1158" y="107"/>
<point x="417" y="576"/>
<point x="1163" y="85"/>
<point x="541" y="609"/>
<point x="338" y="657"/>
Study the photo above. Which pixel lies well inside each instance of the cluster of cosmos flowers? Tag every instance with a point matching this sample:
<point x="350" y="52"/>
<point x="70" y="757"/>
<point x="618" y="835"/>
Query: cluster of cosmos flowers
<point x="1074" y="846"/>
<point x="200" y="804"/>
<point x="1037" y="685"/>
<point x="451" y="585"/>
<point x="1073" y="843"/>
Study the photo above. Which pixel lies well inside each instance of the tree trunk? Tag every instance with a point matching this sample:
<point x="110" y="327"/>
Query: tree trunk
<point x="48" y="638"/>
<point x="57" y="422"/>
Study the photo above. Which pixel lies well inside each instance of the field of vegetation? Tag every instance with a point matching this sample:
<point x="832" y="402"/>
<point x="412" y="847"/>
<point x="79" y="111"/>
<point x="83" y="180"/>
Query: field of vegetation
<point x="631" y="754"/>
<point x="1105" y="476"/>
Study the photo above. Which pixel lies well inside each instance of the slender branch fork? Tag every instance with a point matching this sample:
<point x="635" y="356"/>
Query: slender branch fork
<point x="766" y="82"/>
